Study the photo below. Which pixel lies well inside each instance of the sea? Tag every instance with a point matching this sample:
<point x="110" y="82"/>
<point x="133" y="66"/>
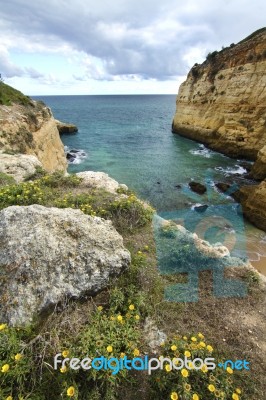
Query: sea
<point x="129" y="137"/>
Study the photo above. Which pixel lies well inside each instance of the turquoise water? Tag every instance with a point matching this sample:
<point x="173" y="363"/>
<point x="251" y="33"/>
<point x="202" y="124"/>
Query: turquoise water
<point x="129" y="137"/>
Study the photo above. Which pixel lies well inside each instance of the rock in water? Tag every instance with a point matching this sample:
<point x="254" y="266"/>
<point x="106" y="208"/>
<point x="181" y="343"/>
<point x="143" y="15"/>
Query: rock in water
<point x="49" y="254"/>
<point x="197" y="187"/>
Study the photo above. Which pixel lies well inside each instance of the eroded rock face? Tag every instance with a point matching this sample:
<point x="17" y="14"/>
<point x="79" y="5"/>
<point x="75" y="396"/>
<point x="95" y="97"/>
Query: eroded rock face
<point x="19" y="166"/>
<point x="259" y="168"/>
<point x="223" y="101"/>
<point x="253" y="201"/>
<point x="49" y="254"/>
<point x="64" y="128"/>
<point x="32" y="130"/>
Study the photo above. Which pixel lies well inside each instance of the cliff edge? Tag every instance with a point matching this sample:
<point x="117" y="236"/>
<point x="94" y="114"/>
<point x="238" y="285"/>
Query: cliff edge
<point x="28" y="127"/>
<point x="222" y="103"/>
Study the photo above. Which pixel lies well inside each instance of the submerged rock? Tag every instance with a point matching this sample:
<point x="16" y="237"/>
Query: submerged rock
<point x="50" y="254"/>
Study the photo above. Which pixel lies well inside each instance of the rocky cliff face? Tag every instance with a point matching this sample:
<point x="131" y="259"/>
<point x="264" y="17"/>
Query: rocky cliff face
<point x="223" y="101"/>
<point x="31" y="129"/>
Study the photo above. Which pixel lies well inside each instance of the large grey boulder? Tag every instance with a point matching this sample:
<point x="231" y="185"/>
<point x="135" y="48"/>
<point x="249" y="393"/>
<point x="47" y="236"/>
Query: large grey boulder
<point x="50" y="254"/>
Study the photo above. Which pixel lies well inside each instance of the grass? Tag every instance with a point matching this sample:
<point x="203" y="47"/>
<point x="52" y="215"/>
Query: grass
<point x="116" y="316"/>
<point x="9" y="95"/>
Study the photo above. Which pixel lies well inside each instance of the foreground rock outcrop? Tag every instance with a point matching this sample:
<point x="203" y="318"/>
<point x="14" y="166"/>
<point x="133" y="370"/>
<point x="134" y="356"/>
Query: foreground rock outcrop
<point x="223" y="101"/>
<point x="259" y="168"/>
<point x="100" y="180"/>
<point x="19" y="166"/>
<point x="50" y="254"/>
<point x="30" y="128"/>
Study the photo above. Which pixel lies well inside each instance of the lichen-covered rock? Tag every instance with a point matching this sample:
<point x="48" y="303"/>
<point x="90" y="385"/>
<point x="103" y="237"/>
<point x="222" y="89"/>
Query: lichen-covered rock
<point x="223" y="101"/>
<point x="19" y="166"/>
<point x="259" y="168"/>
<point x="49" y="254"/>
<point x="100" y="180"/>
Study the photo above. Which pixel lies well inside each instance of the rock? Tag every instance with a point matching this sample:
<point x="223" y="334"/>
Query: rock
<point x="178" y="186"/>
<point x="50" y="254"/>
<point x="223" y="187"/>
<point x="100" y="180"/>
<point x="197" y="187"/>
<point x="201" y="208"/>
<point x="253" y="201"/>
<point x="153" y="336"/>
<point x="64" y="128"/>
<point x="222" y="103"/>
<point x="258" y="170"/>
<point x="32" y="130"/>
<point x="19" y="166"/>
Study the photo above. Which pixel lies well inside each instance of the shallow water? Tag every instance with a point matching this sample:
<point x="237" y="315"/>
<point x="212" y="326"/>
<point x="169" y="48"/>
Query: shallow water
<point x="129" y="137"/>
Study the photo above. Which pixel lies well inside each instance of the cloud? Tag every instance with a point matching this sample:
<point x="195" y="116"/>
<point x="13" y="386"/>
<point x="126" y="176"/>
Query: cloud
<point x="125" y="38"/>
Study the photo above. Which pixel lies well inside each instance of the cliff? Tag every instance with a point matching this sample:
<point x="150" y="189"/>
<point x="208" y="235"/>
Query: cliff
<point x="28" y="127"/>
<point x="222" y="103"/>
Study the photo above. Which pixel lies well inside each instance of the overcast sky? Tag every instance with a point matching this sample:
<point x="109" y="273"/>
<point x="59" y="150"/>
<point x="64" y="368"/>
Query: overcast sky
<point x="119" y="46"/>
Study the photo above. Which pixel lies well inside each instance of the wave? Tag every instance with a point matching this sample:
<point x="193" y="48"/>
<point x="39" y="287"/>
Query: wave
<point x="236" y="170"/>
<point x="202" y="151"/>
<point x="75" y="156"/>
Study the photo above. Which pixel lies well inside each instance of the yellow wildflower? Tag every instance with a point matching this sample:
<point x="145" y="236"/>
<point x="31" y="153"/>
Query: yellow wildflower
<point x="174" y="348"/>
<point x="122" y="355"/>
<point x="168" y="368"/>
<point x="131" y="307"/>
<point x="209" y="348"/>
<point x="137" y="317"/>
<point x="200" y="335"/>
<point x="71" y="391"/>
<point x="235" y="396"/>
<point x="9" y="398"/>
<point x="100" y="308"/>
<point x="204" y="369"/>
<point x="193" y="339"/>
<point x="211" y="388"/>
<point x="18" y="356"/>
<point x="184" y="337"/>
<point x="187" y="353"/>
<point x="191" y="365"/>
<point x="63" y="369"/>
<point x="187" y="387"/>
<point x="3" y="326"/>
<point x="229" y="370"/>
<point x="5" y="368"/>
<point x="136" y="352"/>
<point x="109" y="349"/>
<point x="174" y="396"/>
<point x="202" y="344"/>
<point x="239" y="391"/>
<point x="65" y="353"/>
<point x="119" y="318"/>
<point x="195" y="396"/>
<point x="184" y="372"/>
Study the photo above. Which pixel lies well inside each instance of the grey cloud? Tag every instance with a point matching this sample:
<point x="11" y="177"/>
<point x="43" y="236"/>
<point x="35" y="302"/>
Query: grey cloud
<point x="145" y="38"/>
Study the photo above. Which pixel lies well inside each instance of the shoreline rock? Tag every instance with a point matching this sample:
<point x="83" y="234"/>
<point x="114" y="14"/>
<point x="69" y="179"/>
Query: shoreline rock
<point x="64" y="128"/>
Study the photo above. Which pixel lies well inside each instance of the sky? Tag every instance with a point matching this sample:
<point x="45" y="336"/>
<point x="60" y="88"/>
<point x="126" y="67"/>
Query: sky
<point x="72" y="47"/>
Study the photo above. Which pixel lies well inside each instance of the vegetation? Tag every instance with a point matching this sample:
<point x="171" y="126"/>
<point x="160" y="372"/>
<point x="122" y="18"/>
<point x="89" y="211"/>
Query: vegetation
<point x="112" y="323"/>
<point x="9" y="95"/>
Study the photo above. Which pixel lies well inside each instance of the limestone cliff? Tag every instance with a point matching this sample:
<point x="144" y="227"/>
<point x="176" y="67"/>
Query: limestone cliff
<point x="30" y="128"/>
<point x="223" y="101"/>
